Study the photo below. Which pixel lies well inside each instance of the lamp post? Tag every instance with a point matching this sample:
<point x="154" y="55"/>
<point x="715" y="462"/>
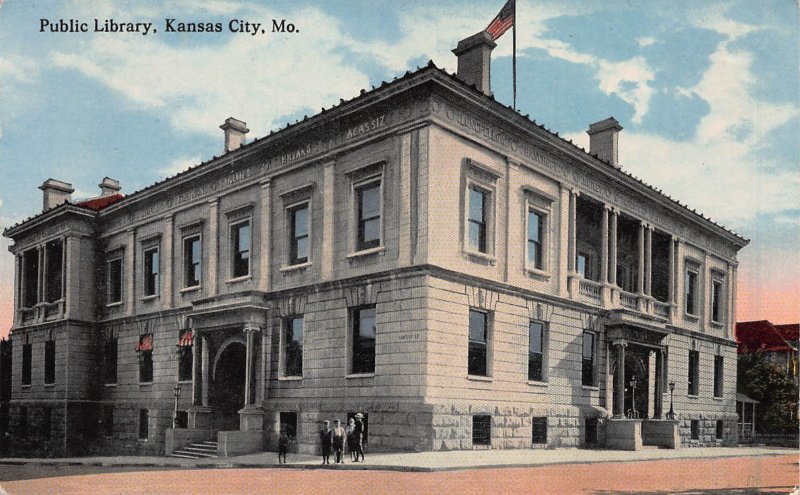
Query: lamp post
<point x="671" y="413"/>
<point x="633" y="397"/>
<point x="177" y="391"/>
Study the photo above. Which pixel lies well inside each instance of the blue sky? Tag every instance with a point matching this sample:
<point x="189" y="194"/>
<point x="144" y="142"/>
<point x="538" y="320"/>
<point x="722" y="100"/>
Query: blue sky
<point x="707" y="93"/>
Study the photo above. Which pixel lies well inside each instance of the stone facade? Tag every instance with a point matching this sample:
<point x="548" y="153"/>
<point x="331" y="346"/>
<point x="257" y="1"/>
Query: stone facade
<point x="425" y="145"/>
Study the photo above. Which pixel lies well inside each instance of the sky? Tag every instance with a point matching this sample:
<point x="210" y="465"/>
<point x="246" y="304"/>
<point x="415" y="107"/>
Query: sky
<point x="707" y="93"/>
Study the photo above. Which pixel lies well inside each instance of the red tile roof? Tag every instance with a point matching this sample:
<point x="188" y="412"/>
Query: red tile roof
<point x="763" y="335"/>
<point x="97" y="204"/>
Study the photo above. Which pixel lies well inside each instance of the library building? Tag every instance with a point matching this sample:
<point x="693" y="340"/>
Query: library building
<point x="420" y="255"/>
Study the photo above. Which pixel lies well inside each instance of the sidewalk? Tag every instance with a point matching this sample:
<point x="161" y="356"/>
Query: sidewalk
<point x="419" y="462"/>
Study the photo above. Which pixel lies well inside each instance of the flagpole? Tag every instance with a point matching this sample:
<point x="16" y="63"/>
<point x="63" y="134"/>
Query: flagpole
<point x="514" y="55"/>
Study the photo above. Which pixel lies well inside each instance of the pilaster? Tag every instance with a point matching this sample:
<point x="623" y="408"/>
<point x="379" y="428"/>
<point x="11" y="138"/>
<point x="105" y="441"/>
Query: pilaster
<point x="265" y="254"/>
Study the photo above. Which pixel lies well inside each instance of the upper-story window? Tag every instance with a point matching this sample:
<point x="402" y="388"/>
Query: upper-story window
<point x="363" y="340"/>
<point x="694" y="373"/>
<point x="719" y="375"/>
<point x="27" y="355"/>
<point x="49" y="362"/>
<point x="240" y="249"/>
<point x="368" y="200"/>
<point x="114" y="279"/>
<point x="293" y="346"/>
<point x="30" y="278"/>
<point x="536" y="351"/>
<point x="690" y="288"/>
<point x="151" y="271"/>
<point x="717" y="298"/>
<point x="535" y="253"/>
<point x="192" y="261"/>
<point x="145" y="350"/>
<point x="299" y="233"/>
<point x="478" y="351"/>
<point x="583" y="264"/>
<point x="588" y="359"/>
<point x="54" y="270"/>
<point x="476" y="221"/>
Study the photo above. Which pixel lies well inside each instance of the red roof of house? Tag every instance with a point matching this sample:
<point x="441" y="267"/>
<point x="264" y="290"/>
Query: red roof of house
<point x="763" y="335"/>
<point x="97" y="204"/>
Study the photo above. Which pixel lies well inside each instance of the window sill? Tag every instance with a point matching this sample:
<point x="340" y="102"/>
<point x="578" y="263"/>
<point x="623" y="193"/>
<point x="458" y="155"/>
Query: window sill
<point x="50" y="385"/>
<point x="535" y="272"/>
<point x="185" y="382"/>
<point x="114" y="304"/>
<point x="292" y="268"/>
<point x="145" y="384"/>
<point x="482" y="256"/>
<point x="691" y="317"/>
<point x="109" y="384"/>
<point x="479" y="378"/>
<point x="291" y="378"/>
<point x="717" y="324"/>
<point x="26" y="386"/>
<point x="720" y="399"/>
<point x="236" y="280"/>
<point x="538" y="383"/>
<point x="592" y="388"/>
<point x="149" y="298"/>
<point x="366" y="252"/>
<point x="193" y="288"/>
<point x="359" y="375"/>
<point x="690" y="396"/>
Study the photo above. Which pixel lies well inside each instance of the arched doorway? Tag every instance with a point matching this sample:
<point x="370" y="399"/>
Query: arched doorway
<point x="637" y="374"/>
<point x="227" y="386"/>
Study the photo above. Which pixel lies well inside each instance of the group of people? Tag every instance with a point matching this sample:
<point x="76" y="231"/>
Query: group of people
<point x="335" y="439"/>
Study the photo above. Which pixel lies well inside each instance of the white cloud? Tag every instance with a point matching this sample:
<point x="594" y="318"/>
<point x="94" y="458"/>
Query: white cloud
<point x="646" y="41"/>
<point x="179" y="165"/>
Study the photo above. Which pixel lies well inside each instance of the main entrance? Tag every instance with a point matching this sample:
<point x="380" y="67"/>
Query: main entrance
<point x="637" y="382"/>
<point x="227" y="386"/>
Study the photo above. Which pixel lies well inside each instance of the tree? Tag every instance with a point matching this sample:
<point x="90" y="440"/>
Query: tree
<point x="775" y="389"/>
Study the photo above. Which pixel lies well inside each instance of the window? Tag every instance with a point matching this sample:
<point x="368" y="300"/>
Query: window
<point x="690" y="292"/>
<point x="114" y="280"/>
<point x="107" y="421"/>
<point x="185" y="357"/>
<point x="110" y="360"/>
<point x="535" y="240"/>
<point x="49" y="362"/>
<point x="293" y="346"/>
<point x="587" y="367"/>
<point x="54" y="258"/>
<point x="694" y="372"/>
<point x="23" y="422"/>
<point x="298" y="234"/>
<point x="481" y="430"/>
<point x="695" y="429"/>
<point x="535" y="351"/>
<point x="716" y="301"/>
<point x="720" y="429"/>
<point x="144" y="427"/>
<point x="151" y="266"/>
<point x="288" y="423"/>
<point x="478" y="340"/>
<point x="145" y="350"/>
<point x="591" y="431"/>
<point x="476" y="221"/>
<point x="192" y="261"/>
<point x="240" y="248"/>
<point x="538" y="430"/>
<point x="47" y="422"/>
<point x="368" y="198"/>
<point x="363" y="340"/>
<point x="26" y="364"/>
<point x="583" y="265"/>
<point x="30" y="278"/>
<point x="718" y="375"/>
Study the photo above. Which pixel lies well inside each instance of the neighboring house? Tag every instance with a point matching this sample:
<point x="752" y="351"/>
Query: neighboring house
<point x="778" y="342"/>
<point x="421" y="253"/>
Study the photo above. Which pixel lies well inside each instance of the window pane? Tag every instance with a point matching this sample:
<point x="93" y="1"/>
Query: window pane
<point x="244" y="238"/>
<point x="476" y="210"/>
<point x="301" y="222"/>
<point x="588" y="345"/>
<point x="372" y="230"/>
<point x="691" y="287"/>
<point x="580" y="265"/>
<point x="115" y="280"/>
<point x="535" y="337"/>
<point x="367" y="323"/>
<point x="477" y="236"/>
<point x="294" y="347"/>
<point x="363" y="341"/>
<point x="534" y="226"/>
<point x="301" y="247"/>
<point x="241" y="249"/>
<point x="370" y="201"/>
<point x="477" y="326"/>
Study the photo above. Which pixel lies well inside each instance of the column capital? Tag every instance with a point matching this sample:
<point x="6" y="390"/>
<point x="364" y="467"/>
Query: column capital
<point x="266" y="183"/>
<point x="620" y="342"/>
<point x="574" y="191"/>
<point x="213" y="201"/>
<point x="250" y="328"/>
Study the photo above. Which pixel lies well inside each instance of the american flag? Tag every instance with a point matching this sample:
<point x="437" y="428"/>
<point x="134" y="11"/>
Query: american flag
<point x="502" y="22"/>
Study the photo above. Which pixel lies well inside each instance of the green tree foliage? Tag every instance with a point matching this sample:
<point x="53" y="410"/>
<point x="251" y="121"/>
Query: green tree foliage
<point x="776" y="389"/>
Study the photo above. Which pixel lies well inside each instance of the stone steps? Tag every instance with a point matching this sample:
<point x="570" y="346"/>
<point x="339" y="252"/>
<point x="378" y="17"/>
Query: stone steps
<point x="200" y="450"/>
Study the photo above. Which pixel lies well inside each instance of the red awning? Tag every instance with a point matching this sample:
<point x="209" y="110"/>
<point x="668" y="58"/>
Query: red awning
<point x="145" y="343"/>
<point x="185" y="340"/>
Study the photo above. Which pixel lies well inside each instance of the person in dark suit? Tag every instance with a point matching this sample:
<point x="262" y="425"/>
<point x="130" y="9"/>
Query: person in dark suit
<point x="326" y="439"/>
<point x="358" y="437"/>
<point x="283" y="445"/>
<point x="351" y="443"/>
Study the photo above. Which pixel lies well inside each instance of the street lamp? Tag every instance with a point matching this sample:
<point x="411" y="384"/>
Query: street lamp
<point x="633" y="397"/>
<point x="177" y="392"/>
<point x="671" y="413"/>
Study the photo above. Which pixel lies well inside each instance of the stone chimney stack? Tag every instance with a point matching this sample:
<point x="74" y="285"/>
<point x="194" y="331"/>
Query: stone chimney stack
<point x="475" y="60"/>
<point x="109" y="187"/>
<point x="55" y="192"/>
<point x="235" y="130"/>
<point x="604" y="140"/>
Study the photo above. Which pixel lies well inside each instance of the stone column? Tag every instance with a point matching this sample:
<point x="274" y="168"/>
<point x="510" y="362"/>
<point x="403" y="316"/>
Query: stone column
<point x="213" y="246"/>
<point x="731" y="300"/>
<point x="17" y="289"/>
<point x="680" y="276"/>
<point x="658" y="413"/>
<point x="66" y="280"/>
<point x="612" y="264"/>
<point x="196" y="371"/>
<point x="204" y="369"/>
<point x="166" y="286"/>
<point x="571" y="250"/>
<point x="671" y="283"/>
<point x="130" y="274"/>
<point x="648" y="257"/>
<point x="619" y="380"/>
<point x="251" y="416"/>
<point x="248" y="366"/>
<point x="328" y="226"/>
<point x="604" y="243"/>
<point x="564" y="263"/>
<point x="652" y="383"/>
<point x="640" y="245"/>
<point x="265" y="245"/>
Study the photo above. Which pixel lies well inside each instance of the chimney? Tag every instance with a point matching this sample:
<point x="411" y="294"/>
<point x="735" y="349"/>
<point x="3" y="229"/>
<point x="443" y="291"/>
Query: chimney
<point x="604" y="140"/>
<point x="55" y="192"/>
<point x="235" y="130"/>
<point x="475" y="60"/>
<point x="109" y="187"/>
